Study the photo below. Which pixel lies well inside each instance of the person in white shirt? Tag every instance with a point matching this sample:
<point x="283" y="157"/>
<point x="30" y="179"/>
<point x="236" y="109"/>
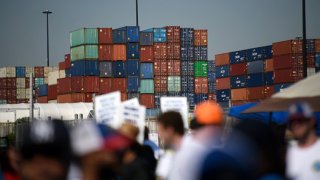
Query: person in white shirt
<point x="303" y="156"/>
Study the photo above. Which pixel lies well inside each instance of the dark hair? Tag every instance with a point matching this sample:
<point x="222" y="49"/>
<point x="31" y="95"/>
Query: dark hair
<point x="172" y="119"/>
<point x="146" y="133"/>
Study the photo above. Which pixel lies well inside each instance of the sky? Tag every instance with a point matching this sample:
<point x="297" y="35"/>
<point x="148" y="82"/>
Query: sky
<point x="232" y="24"/>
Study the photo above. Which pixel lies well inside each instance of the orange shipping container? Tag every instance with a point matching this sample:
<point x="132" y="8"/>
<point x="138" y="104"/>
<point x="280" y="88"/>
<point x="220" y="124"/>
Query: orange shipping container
<point x="105" y="85"/>
<point x="287" y="47"/>
<point x="124" y="96"/>
<point x="222" y="59"/>
<point x="268" y="91"/>
<point x="65" y="98"/>
<point x="256" y="93"/>
<point x="317" y="45"/>
<point x="239" y="94"/>
<point x="160" y="50"/>
<point x="201" y="85"/>
<point x="238" y="103"/>
<point x="146" y="54"/>
<point x="223" y="83"/>
<point x="105" y="52"/>
<point x="43" y="99"/>
<point x="119" y="52"/>
<point x="268" y="66"/>
<point x="200" y="37"/>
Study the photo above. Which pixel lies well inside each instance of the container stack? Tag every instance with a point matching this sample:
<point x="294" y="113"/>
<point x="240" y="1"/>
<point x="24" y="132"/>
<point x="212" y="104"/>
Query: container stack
<point x="317" y="56"/>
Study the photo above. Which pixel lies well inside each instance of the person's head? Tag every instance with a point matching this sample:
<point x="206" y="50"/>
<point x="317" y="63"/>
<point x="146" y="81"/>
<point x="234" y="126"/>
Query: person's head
<point x="170" y="126"/>
<point x="45" y="151"/>
<point x="209" y="113"/>
<point x="129" y="130"/>
<point x="301" y="120"/>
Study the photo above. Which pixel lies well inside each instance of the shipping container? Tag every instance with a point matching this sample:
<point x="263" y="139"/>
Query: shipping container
<point x="223" y="83"/>
<point x="39" y="71"/>
<point x="52" y="92"/>
<point x="20" y="83"/>
<point x="211" y="87"/>
<point x="146" y="71"/>
<point x="254" y="80"/>
<point x="200" y="37"/>
<point x="198" y="98"/>
<point x="201" y="68"/>
<point x="3" y="72"/>
<point x="134" y="95"/>
<point x="268" y="78"/>
<point x="3" y="94"/>
<point x="311" y="60"/>
<point x="84" y="36"/>
<point x="84" y="68"/>
<point x="105" y="69"/>
<point x="239" y="94"/>
<point x="311" y="46"/>
<point x="160" y="68"/>
<point x="146" y="54"/>
<point x="159" y="35"/>
<point x="187" y="36"/>
<point x="105" y="52"/>
<point x="11" y="82"/>
<point x="146" y="38"/>
<point x="268" y="91"/>
<point x="105" y="85"/>
<point x="160" y="50"/>
<point x="43" y="90"/>
<point x="64" y="85"/>
<point x="190" y="98"/>
<point x="259" y="53"/>
<point x="157" y="97"/>
<point x="84" y="52"/>
<point x="317" y="45"/>
<point x="187" y="84"/>
<point x="287" y="61"/>
<point x="187" y="68"/>
<point x="281" y="87"/>
<point x="256" y="93"/>
<point x="201" y="85"/>
<point x="147" y="100"/>
<point x="288" y="75"/>
<point x="133" y="84"/>
<point x="119" y="84"/>
<point x="11" y="94"/>
<point x="65" y="98"/>
<point x="173" y="51"/>
<point x="133" y="67"/>
<point x="201" y="53"/>
<point x="105" y="35"/>
<point x="212" y="97"/>
<point x="53" y="77"/>
<point x="133" y="51"/>
<point x="238" y="69"/>
<point x="238" y="82"/>
<point x="119" y="52"/>
<point x="62" y="73"/>
<point x="174" y="68"/>
<point x="311" y="71"/>
<point x="119" y="36"/>
<point x="67" y="61"/>
<point x="39" y="81"/>
<point x="287" y="47"/>
<point x="21" y="93"/>
<point x="43" y="99"/>
<point x="62" y="65"/>
<point x="160" y="84"/>
<point x="29" y="70"/>
<point x="174" y="83"/>
<point x="20" y="72"/>
<point x="173" y="34"/>
<point x="119" y="69"/>
<point x="222" y="71"/>
<point x="127" y="34"/>
<point x="255" y="67"/>
<point x="187" y="52"/>
<point x="124" y="96"/>
<point x="27" y="82"/>
<point x="8" y="72"/>
<point x="3" y="83"/>
<point x="222" y="59"/>
<point x="238" y="103"/>
<point x="146" y="86"/>
<point x="91" y="84"/>
<point x="268" y="65"/>
<point x="237" y="57"/>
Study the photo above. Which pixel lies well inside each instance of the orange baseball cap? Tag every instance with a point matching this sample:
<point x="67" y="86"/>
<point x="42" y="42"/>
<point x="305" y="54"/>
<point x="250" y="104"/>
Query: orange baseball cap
<point x="209" y="113"/>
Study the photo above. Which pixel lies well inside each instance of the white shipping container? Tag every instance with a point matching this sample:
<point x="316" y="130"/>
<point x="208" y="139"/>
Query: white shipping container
<point x="21" y="83"/>
<point x="62" y="74"/>
<point x="29" y="70"/>
<point x="311" y="71"/>
<point x="11" y="71"/>
<point x="53" y="77"/>
<point x="53" y="101"/>
<point x="46" y="80"/>
<point x="21" y="93"/>
<point x="3" y="72"/>
<point x="47" y="70"/>
<point x="55" y="68"/>
<point x="27" y="93"/>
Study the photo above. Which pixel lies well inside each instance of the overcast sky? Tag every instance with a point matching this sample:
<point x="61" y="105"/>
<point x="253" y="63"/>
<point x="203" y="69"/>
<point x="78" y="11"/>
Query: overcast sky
<point x="232" y="24"/>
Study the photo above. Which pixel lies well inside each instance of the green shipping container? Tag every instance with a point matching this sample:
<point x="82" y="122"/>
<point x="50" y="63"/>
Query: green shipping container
<point x="201" y="69"/>
<point x="146" y="86"/>
<point x="38" y="82"/>
<point x="174" y="84"/>
<point x="85" y="52"/>
<point x="84" y="36"/>
<point x="3" y="101"/>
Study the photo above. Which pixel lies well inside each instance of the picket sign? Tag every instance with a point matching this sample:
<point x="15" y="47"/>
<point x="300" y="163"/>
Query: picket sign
<point x="178" y="104"/>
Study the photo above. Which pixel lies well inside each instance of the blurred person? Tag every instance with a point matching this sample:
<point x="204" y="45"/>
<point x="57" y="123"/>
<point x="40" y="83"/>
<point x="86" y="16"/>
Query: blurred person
<point x="303" y="156"/>
<point x="45" y="151"/>
<point x="171" y="131"/>
<point x="205" y="135"/>
<point x="9" y="161"/>
<point x="147" y="142"/>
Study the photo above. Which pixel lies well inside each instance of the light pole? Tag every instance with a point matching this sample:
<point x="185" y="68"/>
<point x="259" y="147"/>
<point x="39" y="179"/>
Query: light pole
<point x="137" y="15"/>
<point x="47" y="12"/>
<point x="304" y="41"/>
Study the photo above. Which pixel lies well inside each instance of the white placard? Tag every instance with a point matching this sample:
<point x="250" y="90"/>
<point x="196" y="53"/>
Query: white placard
<point x="107" y="109"/>
<point x="133" y="101"/>
<point x="178" y="104"/>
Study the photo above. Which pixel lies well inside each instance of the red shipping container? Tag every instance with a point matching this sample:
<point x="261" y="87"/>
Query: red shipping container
<point x="146" y="54"/>
<point x="11" y="94"/>
<point x="200" y="37"/>
<point x="119" y="84"/>
<point x="67" y="61"/>
<point x="212" y="97"/>
<point x="287" y="47"/>
<point x="160" y="83"/>
<point x="42" y="99"/>
<point x="11" y="83"/>
<point x="256" y="93"/>
<point x="238" y="103"/>
<point x="62" y="65"/>
<point x="39" y="72"/>
<point x="78" y="97"/>
<point x="160" y="68"/>
<point x="160" y="50"/>
<point x="223" y="83"/>
<point x="238" y="69"/>
<point x="105" y="52"/>
<point x="268" y="66"/>
<point x="201" y="85"/>
<point x="147" y="100"/>
<point x="173" y="34"/>
<point x="77" y="84"/>
<point x="91" y="84"/>
<point x="52" y="92"/>
<point x="28" y="82"/>
<point x="317" y="45"/>
<point x="287" y="61"/>
<point x="88" y="97"/>
<point x="222" y="59"/>
<point x="65" y="98"/>
<point x="105" y="35"/>
<point x="3" y="94"/>
<point x="124" y="96"/>
<point x="64" y="85"/>
<point x="239" y="94"/>
<point x="105" y="85"/>
<point x="173" y="51"/>
<point x="268" y="91"/>
<point x="119" y="52"/>
<point x="12" y="101"/>
<point x="3" y="82"/>
<point x="288" y="75"/>
<point x="174" y="67"/>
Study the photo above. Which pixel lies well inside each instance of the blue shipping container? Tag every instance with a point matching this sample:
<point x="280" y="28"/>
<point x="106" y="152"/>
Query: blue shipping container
<point x="146" y="38"/>
<point x="152" y="112"/>
<point x="198" y="98"/>
<point x="187" y="83"/>
<point x="146" y="70"/>
<point x="119" y="36"/>
<point x="280" y="87"/>
<point x="119" y="69"/>
<point x="222" y="71"/>
<point x="159" y="35"/>
<point x="237" y="57"/>
<point x="187" y="36"/>
<point x="254" y="80"/>
<point x="133" y="51"/>
<point x="132" y="33"/>
<point x="187" y="68"/>
<point x="84" y="68"/>
<point x="190" y="98"/>
<point x="238" y="82"/>
<point x="211" y="76"/>
<point x="126" y="34"/>
<point x="68" y="72"/>
<point x="311" y="46"/>
<point x="43" y="90"/>
<point x="212" y="87"/>
<point x="317" y="60"/>
<point x="223" y="95"/>
<point x="211" y="66"/>
<point x="157" y="97"/>
<point x="133" y="84"/>
<point x="105" y="69"/>
<point x="133" y="67"/>
<point x="267" y="52"/>
<point x="174" y="94"/>
<point x="201" y="53"/>
<point x="20" y="72"/>
<point x="187" y="52"/>
<point x="92" y="68"/>
<point x="254" y="54"/>
<point x="133" y="95"/>
<point x="268" y="78"/>
<point x="255" y="67"/>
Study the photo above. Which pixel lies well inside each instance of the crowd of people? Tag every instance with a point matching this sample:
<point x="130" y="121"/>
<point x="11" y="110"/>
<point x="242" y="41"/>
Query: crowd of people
<point x="89" y="151"/>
